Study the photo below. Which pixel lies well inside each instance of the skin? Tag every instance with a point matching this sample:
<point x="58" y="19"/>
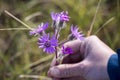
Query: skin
<point x="89" y="61"/>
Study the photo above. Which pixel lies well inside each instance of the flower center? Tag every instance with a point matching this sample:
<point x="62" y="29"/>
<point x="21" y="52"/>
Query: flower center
<point x="47" y="44"/>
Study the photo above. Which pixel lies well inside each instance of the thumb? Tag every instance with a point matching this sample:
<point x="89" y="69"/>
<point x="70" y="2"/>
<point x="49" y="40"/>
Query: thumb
<point x="68" y="70"/>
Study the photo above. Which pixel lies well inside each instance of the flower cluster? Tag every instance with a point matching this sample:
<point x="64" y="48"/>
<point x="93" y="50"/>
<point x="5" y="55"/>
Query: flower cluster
<point x="49" y="42"/>
<point x="59" y="19"/>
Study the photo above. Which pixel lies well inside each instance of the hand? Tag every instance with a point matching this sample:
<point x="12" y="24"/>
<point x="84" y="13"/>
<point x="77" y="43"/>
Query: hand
<point x="89" y="61"/>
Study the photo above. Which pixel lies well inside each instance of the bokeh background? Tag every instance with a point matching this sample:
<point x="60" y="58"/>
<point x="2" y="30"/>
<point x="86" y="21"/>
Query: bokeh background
<point x="19" y="52"/>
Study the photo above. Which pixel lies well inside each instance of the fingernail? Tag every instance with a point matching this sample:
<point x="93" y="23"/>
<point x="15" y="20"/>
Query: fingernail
<point x="54" y="72"/>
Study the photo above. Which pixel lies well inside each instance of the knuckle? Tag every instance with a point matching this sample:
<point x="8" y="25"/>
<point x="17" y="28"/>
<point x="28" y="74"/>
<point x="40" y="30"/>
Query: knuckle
<point x="67" y="43"/>
<point x="93" y="37"/>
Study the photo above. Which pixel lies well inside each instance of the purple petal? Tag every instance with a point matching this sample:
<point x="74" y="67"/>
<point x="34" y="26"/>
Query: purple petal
<point x="75" y="33"/>
<point x="45" y="26"/>
<point x="48" y="44"/>
<point x="67" y="50"/>
<point x="53" y="16"/>
<point x="63" y="16"/>
<point x="32" y="32"/>
<point x="39" y="29"/>
<point x="54" y="42"/>
<point x="49" y="50"/>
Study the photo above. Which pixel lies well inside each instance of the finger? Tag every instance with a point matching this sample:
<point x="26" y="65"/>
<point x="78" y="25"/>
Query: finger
<point x="73" y="58"/>
<point x="56" y="79"/>
<point x="67" y="70"/>
<point x="75" y="45"/>
<point x="69" y="59"/>
<point x="73" y="78"/>
<point x="76" y="56"/>
<point x="70" y="78"/>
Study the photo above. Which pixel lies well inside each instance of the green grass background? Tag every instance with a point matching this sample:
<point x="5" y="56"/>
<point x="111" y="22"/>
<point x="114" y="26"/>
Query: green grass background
<point x="19" y="52"/>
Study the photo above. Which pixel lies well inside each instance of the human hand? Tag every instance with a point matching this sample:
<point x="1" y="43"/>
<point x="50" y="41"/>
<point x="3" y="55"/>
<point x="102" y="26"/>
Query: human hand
<point x="89" y="61"/>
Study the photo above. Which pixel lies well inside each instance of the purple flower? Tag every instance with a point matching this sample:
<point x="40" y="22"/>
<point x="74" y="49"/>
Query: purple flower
<point x="75" y="33"/>
<point x="62" y="16"/>
<point x="59" y="19"/>
<point x="48" y="44"/>
<point x="67" y="50"/>
<point x="39" y="29"/>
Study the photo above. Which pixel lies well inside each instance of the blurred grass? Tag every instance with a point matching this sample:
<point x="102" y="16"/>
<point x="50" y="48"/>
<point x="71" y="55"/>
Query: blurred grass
<point x="19" y="51"/>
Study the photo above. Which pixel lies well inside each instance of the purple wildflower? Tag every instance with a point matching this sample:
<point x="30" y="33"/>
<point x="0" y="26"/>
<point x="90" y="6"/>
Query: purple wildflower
<point x="67" y="50"/>
<point x="59" y="19"/>
<point x="39" y="29"/>
<point x="62" y="16"/>
<point x="48" y="44"/>
<point x="75" y="33"/>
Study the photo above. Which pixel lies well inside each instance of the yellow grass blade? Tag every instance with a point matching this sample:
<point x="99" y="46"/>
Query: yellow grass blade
<point x="18" y="19"/>
<point x="91" y="26"/>
<point x="35" y="77"/>
<point x="14" y="29"/>
<point x="108" y="21"/>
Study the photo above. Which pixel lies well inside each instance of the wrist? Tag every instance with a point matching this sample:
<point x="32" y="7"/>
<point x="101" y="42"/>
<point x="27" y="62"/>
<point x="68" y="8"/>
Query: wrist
<point x="113" y="67"/>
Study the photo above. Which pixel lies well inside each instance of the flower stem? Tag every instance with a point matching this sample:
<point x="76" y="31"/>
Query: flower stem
<point x="56" y="35"/>
<point x="56" y="52"/>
